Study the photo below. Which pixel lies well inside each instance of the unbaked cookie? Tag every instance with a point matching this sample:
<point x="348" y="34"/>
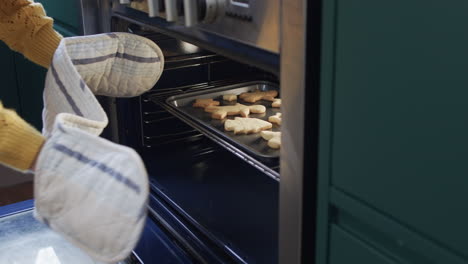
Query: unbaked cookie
<point x="275" y="119"/>
<point x="258" y="95"/>
<point x="274" y="138"/>
<point x="220" y="112"/>
<point x="245" y="125"/>
<point x="205" y="102"/>
<point x="276" y="103"/>
<point x="229" y="97"/>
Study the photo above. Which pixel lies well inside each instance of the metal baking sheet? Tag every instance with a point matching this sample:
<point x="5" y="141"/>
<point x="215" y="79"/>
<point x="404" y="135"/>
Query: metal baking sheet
<point x="254" y="144"/>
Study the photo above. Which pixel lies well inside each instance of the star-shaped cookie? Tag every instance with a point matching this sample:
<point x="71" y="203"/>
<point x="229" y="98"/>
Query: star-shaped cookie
<point x="245" y="125"/>
<point x="255" y="96"/>
<point x="205" y="102"/>
<point x="220" y="112"/>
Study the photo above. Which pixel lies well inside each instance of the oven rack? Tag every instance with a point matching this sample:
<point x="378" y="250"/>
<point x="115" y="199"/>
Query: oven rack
<point x="188" y="132"/>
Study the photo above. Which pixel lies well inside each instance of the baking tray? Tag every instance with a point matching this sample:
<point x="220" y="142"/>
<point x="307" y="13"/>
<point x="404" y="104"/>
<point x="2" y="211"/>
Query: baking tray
<point x="252" y="144"/>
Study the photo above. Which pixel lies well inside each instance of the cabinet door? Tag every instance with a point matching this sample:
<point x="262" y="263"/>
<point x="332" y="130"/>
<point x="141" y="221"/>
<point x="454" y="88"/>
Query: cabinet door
<point x="31" y="80"/>
<point x="400" y="141"/>
<point x="66" y="15"/>
<point x="9" y="89"/>
<point x="347" y="249"/>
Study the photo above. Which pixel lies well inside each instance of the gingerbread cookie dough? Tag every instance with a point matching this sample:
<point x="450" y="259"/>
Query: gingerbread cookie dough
<point x="258" y="95"/>
<point x="245" y="125"/>
<point x="205" y="102"/>
<point x="276" y="103"/>
<point x="229" y="97"/>
<point x="275" y="119"/>
<point x="274" y="138"/>
<point x="220" y="112"/>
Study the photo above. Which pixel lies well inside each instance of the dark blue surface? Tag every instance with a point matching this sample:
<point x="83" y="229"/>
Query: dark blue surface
<point x="199" y="247"/>
<point x="223" y="197"/>
<point x="16" y="208"/>
<point x="156" y="247"/>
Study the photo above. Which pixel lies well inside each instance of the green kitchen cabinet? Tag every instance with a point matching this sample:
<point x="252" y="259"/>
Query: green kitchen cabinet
<point x="66" y="15"/>
<point x="347" y="249"/>
<point x="9" y="89"/>
<point x="30" y="80"/>
<point x="395" y="115"/>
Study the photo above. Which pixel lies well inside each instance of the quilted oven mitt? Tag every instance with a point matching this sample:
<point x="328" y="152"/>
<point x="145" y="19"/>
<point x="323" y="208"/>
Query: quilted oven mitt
<point x="90" y="190"/>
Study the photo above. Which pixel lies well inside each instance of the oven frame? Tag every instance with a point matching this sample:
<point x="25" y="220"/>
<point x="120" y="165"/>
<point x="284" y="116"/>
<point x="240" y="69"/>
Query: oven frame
<point x="300" y="88"/>
<point x="299" y="71"/>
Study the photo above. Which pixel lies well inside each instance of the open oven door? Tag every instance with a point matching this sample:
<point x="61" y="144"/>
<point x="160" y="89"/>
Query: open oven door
<point x="23" y="239"/>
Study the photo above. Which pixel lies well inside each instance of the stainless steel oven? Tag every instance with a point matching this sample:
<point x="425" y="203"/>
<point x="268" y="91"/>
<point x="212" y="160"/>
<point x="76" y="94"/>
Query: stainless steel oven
<point x="251" y="22"/>
<point x="214" y="199"/>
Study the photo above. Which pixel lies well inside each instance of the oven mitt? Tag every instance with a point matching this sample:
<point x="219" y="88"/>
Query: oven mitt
<point x="90" y="190"/>
<point x="113" y="64"/>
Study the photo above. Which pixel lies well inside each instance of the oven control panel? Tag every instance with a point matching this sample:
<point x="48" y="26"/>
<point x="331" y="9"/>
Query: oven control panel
<point x="253" y="22"/>
<point x="188" y="12"/>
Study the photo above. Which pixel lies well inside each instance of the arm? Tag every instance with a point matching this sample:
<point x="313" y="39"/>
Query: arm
<point x="25" y="28"/>
<point x="20" y="143"/>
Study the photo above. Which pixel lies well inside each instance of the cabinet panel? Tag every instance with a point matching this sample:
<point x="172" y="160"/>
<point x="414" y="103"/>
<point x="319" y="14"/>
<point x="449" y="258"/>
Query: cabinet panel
<point x="31" y="80"/>
<point x="65" y="13"/>
<point x="346" y="249"/>
<point x="400" y="139"/>
<point x="8" y="89"/>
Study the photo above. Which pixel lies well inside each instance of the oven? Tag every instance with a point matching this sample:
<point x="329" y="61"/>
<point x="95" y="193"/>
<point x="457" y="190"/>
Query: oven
<point x="215" y="198"/>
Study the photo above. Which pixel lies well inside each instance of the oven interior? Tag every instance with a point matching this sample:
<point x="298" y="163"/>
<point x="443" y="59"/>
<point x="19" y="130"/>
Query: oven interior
<point x="220" y="206"/>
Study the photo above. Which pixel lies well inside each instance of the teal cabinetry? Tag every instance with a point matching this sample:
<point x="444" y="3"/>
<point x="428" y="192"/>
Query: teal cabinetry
<point x="9" y="89"/>
<point x="30" y="85"/>
<point x="66" y="15"/>
<point x="395" y="103"/>
<point x="347" y="249"/>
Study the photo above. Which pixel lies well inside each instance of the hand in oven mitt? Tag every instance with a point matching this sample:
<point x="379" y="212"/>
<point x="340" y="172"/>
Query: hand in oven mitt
<point x="90" y="190"/>
<point x="113" y="64"/>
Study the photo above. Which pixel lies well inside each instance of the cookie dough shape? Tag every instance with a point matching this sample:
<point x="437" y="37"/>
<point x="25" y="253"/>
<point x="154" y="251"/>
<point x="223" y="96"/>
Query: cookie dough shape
<point x="245" y="125"/>
<point x="229" y="97"/>
<point x="220" y="112"/>
<point x="205" y="102"/>
<point x="276" y="119"/>
<point x="276" y="103"/>
<point x="274" y="138"/>
<point x="258" y="95"/>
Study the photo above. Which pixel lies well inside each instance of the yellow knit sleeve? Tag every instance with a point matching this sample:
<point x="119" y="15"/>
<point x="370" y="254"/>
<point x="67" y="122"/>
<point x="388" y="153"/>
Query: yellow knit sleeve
<point x="25" y="28"/>
<point x="20" y="143"/>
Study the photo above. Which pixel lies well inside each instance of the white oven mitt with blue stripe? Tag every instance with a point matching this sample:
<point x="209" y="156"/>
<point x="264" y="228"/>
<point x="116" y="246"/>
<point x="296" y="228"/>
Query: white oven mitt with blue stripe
<point x="113" y="64"/>
<point x="88" y="189"/>
<point x="91" y="191"/>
